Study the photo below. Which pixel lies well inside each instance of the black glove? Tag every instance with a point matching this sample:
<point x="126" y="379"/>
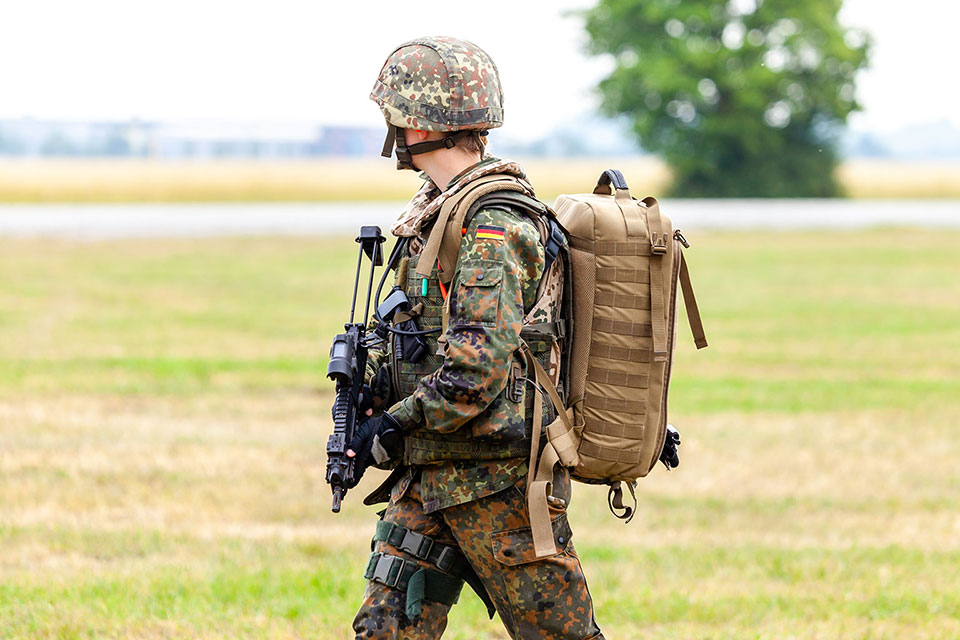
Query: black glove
<point x="670" y="456"/>
<point x="375" y="396"/>
<point x="376" y="440"/>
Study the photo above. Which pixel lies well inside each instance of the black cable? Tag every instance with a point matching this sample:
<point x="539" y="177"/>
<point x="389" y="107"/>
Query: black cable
<point x="398" y="250"/>
<point x="418" y="332"/>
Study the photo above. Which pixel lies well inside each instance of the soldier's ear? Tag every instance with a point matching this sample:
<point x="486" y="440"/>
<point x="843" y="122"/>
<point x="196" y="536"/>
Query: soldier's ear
<point x="415" y="136"/>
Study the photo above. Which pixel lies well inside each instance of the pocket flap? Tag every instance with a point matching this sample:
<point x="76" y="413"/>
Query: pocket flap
<point x="481" y="273"/>
<point x="515" y="546"/>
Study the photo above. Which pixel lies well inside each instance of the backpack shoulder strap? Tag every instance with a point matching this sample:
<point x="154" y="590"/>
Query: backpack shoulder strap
<point x="443" y="243"/>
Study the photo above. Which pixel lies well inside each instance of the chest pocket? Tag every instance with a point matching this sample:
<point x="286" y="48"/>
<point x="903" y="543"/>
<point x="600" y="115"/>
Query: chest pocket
<point x="478" y="296"/>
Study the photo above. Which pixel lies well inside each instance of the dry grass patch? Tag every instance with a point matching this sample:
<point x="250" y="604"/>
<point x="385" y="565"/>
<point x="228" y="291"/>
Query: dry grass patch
<point x="208" y="515"/>
<point x="348" y="179"/>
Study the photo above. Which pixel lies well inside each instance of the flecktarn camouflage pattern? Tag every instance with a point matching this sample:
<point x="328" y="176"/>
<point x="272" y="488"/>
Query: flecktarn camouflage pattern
<point x="439" y="84"/>
<point x="496" y="280"/>
<point x="458" y="510"/>
<point x="535" y="598"/>
<point x="423" y="207"/>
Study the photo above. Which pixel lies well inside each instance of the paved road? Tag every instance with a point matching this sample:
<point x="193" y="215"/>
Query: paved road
<point x="139" y="220"/>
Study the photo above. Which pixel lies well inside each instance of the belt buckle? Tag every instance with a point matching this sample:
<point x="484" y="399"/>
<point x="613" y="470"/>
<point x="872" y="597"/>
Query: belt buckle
<point x="416" y="544"/>
<point x="384" y="569"/>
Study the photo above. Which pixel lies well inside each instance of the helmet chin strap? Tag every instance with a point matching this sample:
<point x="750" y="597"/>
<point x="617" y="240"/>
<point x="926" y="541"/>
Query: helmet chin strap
<point x="395" y="136"/>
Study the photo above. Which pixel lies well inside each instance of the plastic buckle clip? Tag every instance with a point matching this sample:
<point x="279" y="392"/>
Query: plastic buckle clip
<point x="552" y="248"/>
<point x="658" y="244"/>
<point x="515" y="383"/>
<point x="416" y="544"/>
<point x="384" y="569"/>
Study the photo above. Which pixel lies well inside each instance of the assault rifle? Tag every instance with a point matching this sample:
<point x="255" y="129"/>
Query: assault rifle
<point x="348" y="362"/>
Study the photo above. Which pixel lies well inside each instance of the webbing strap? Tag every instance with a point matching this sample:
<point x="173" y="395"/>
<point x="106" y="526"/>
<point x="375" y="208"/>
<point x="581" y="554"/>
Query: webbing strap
<point x="431" y="250"/>
<point x="617" y="378"/>
<point x="563" y="440"/>
<point x="537" y="491"/>
<point x="419" y="583"/>
<point x="613" y="274"/>
<point x="446" y="558"/>
<point x="622" y="300"/>
<point x="627" y="354"/>
<point x="633" y="431"/>
<point x="623" y="328"/>
<point x="609" y="454"/>
<point x="611" y="247"/>
<point x="690" y="302"/>
<point x="603" y="403"/>
<point x="468" y="449"/>
<point x="449" y="251"/>
<point x="422" y="547"/>
<point x="632" y="216"/>
<point x="658" y="249"/>
<point x="540" y="476"/>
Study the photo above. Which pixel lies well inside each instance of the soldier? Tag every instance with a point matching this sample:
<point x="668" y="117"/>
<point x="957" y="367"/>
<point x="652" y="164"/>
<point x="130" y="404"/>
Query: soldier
<point x="459" y="435"/>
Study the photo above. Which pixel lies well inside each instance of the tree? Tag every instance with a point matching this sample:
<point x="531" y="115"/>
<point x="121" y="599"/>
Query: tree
<point x="741" y="98"/>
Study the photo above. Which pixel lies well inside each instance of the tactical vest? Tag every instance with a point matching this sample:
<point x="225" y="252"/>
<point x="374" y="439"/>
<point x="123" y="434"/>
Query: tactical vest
<point x="544" y="339"/>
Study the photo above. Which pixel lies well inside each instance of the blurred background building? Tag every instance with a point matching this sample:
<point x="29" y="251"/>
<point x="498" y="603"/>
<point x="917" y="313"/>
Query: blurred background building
<point x="590" y="136"/>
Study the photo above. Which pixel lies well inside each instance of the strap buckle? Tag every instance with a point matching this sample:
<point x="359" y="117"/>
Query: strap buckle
<point x="658" y="243"/>
<point x="416" y="544"/>
<point x="554" y="243"/>
<point x="446" y="559"/>
<point x="515" y="382"/>
<point x="382" y="572"/>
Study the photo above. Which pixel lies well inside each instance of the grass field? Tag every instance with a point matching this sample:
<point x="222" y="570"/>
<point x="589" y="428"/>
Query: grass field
<point x="163" y="413"/>
<point x="339" y="179"/>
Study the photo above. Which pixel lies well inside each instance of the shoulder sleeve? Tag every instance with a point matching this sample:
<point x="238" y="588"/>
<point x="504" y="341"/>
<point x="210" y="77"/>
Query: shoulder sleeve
<point x="499" y="265"/>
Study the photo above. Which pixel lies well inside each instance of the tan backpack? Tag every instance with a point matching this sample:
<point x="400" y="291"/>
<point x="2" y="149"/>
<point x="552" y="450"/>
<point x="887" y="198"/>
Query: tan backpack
<point x="626" y="262"/>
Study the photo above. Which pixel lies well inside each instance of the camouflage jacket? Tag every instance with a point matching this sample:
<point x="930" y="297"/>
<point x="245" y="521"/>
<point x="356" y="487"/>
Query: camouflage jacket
<point x="465" y="398"/>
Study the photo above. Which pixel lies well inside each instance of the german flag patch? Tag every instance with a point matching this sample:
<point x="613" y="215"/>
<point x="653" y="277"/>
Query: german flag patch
<point x="489" y="232"/>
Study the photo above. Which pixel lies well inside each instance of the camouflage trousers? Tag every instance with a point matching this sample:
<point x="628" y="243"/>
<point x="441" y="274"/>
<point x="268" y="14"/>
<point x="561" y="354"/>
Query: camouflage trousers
<point x="545" y="598"/>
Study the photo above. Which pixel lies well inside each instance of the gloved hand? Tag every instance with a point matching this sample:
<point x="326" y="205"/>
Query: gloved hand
<point x="374" y="397"/>
<point x="670" y="456"/>
<point x="376" y="440"/>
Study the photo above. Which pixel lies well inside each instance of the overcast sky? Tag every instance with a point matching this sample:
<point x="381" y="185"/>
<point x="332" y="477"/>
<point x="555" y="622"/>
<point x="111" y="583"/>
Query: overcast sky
<point x="315" y="61"/>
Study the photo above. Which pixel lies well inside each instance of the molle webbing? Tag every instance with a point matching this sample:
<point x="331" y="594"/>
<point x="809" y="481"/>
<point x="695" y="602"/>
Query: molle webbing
<point x="426" y="447"/>
<point x="408" y="374"/>
<point x="623" y="327"/>
<point x="627" y="265"/>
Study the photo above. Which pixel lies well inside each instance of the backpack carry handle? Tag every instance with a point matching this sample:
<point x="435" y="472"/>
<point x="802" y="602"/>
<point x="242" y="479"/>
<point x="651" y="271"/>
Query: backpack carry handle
<point x="611" y="177"/>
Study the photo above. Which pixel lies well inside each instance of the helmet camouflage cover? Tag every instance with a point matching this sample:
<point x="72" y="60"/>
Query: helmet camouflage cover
<point x="439" y="84"/>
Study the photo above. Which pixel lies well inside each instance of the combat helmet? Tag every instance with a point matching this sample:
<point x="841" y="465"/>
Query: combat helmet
<point x="437" y="84"/>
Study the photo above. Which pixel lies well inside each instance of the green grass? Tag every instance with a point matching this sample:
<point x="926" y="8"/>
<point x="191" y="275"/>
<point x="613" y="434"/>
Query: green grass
<point x="163" y="414"/>
<point x="797" y="321"/>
